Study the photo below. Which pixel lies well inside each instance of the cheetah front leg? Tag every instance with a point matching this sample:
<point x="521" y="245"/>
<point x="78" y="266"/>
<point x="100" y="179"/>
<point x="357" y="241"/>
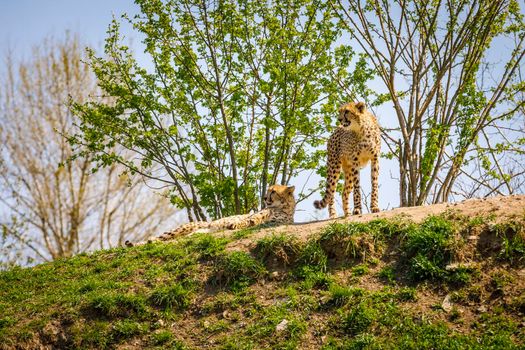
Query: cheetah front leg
<point x="375" y="192"/>
<point x="357" y="189"/>
<point x="346" y="191"/>
<point x="249" y="220"/>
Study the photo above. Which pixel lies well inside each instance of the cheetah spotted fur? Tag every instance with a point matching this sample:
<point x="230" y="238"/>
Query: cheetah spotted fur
<point x="280" y="209"/>
<point x="351" y="146"/>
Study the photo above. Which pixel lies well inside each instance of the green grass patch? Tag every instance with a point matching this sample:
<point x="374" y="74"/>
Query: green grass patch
<point x="237" y="270"/>
<point x="114" y="304"/>
<point x="512" y="234"/>
<point x="176" y="296"/>
<point x="312" y="278"/>
<point x="279" y="249"/>
<point x="406" y="294"/>
<point x="208" y="246"/>
<point x="312" y="256"/>
<point x="340" y="296"/>
<point x="428" y="249"/>
<point x="360" y="270"/>
<point x="358" y="319"/>
<point x="245" y="232"/>
<point x="278" y="327"/>
<point x="123" y="329"/>
<point x="230" y="301"/>
<point x="344" y="242"/>
<point x="162" y="337"/>
<point x="387" y="274"/>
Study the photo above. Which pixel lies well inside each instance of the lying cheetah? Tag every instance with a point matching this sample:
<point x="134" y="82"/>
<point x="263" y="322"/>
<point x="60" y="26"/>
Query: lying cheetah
<point x="280" y="209"/>
<point x="351" y="146"/>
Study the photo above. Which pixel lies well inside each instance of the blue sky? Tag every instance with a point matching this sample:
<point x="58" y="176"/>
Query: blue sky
<point x="26" y="23"/>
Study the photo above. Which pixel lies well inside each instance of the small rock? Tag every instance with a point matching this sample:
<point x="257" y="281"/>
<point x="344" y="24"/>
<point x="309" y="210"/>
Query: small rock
<point x="482" y="309"/>
<point x="226" y="314"/>
<point x="282" y="326"/>
<point x="160" y="323"/>
<point x="446" y="305"/>
<point x="274" y="275"/>
<point x="455" y="266"/>
<point x="452" y="267"/>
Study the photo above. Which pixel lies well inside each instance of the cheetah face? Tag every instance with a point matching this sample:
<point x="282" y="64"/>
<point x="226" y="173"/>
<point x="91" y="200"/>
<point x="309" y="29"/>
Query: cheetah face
<point x="350" y="114"/>
<point x="279" y="196"/>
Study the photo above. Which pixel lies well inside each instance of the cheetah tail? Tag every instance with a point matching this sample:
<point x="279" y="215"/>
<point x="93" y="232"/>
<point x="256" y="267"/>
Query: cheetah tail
<point x="183" y="230"/>
<point x="320" y="204"/>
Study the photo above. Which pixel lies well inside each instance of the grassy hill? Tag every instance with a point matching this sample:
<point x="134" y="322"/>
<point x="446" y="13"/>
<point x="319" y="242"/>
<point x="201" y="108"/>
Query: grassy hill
<point x="444" y="281"/>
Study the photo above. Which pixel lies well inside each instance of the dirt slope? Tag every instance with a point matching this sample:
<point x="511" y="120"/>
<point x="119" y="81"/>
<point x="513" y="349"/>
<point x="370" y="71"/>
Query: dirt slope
<point x="501" y="208"/>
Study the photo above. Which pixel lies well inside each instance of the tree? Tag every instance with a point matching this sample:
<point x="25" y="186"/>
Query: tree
<point x="239" y="96"/>
<point x="451" y="70"/>
<point x="55" y="207"/>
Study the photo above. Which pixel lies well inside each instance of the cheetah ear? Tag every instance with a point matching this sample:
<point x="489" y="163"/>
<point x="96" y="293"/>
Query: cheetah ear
<point x="290" y="189"/>
<point x="360" y="106"/>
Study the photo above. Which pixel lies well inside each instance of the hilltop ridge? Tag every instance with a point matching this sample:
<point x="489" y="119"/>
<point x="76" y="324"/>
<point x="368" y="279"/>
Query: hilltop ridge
<point x="433" y="277"/>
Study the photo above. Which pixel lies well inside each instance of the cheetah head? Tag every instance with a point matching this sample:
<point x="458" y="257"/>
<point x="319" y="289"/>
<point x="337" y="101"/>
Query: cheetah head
<point x="350" y="115"/>
<point x="279" y="196"/>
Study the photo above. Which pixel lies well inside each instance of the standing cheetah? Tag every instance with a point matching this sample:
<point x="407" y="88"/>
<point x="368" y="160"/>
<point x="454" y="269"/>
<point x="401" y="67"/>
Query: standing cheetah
<point x="351" y="146"/>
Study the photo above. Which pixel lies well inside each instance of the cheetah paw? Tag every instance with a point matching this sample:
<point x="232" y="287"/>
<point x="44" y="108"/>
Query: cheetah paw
<point x="357" y="211"/>
<point x="375" y="210"/>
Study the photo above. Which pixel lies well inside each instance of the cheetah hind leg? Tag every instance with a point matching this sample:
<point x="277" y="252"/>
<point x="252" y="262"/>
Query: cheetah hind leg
<point x="375" y="174"/>
<point x="357" y="190"/>
<point x="346" y="193"/>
